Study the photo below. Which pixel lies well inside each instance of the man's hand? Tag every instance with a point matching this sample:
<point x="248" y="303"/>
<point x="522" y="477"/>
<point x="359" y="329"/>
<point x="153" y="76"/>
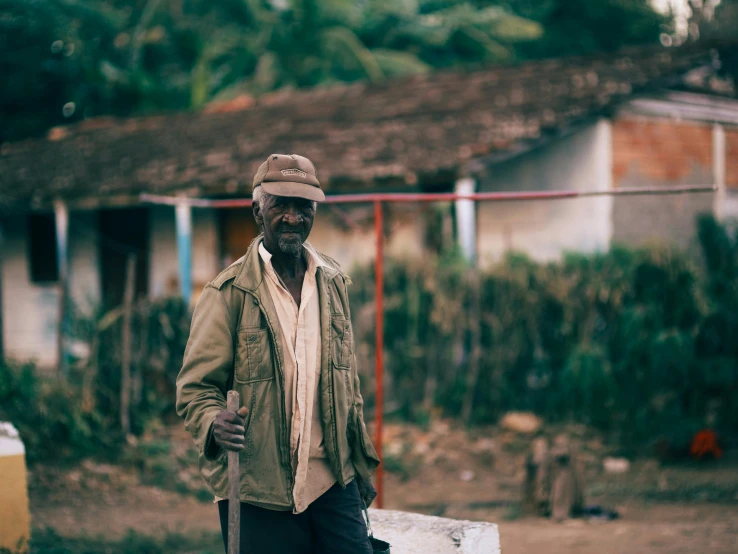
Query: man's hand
<point x="229" y="429"/>
<point x="366" y="490"/>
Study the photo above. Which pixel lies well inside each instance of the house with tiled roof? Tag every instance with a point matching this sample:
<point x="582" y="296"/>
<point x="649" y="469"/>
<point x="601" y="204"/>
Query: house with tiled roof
<point x="71" y="207"/>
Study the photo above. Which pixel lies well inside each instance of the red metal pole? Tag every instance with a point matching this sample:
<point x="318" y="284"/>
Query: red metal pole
<point x="379" y="345"/>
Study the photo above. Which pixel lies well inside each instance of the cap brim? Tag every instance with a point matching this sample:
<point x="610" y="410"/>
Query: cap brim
<point x="296" y="190"/>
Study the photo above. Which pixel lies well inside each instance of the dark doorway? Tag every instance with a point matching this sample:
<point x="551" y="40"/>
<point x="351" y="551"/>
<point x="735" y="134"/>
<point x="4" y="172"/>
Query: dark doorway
<point x="42" y="256"/>
<point x="237" y="230"/>
<point x="122" y="232"/>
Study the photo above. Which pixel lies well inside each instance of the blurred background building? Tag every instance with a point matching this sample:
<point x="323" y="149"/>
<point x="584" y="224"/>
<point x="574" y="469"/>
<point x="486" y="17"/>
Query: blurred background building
<point x="645" y="116"/>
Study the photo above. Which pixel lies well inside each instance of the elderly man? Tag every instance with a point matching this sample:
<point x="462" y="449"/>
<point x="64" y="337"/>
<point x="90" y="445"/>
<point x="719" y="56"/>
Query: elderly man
<point x="276" y="327"/>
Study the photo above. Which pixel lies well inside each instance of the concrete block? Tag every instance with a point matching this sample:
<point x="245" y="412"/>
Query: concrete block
<point x="15" y="519"/>
<point x="410" y="533"/>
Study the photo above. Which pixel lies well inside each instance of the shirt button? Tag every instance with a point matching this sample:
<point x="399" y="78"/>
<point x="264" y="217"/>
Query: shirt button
<point x="252" y="338"/>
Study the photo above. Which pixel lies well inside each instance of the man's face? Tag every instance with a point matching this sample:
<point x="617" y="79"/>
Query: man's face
<point x="286" y="222"/>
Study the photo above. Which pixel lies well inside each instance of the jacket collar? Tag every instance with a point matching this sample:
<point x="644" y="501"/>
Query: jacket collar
<point x="251" y="276"/>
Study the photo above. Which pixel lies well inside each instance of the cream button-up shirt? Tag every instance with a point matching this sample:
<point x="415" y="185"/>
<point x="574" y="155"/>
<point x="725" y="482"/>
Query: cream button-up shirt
<point x="302" y="356"/>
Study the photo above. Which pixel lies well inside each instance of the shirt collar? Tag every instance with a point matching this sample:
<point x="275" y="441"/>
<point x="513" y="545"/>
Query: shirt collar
<point x="313" y="258"/>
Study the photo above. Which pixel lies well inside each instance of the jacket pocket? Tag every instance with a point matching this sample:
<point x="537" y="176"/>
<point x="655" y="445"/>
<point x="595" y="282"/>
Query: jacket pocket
<point x="341" y="342"/>
<point x="253" y="359"/>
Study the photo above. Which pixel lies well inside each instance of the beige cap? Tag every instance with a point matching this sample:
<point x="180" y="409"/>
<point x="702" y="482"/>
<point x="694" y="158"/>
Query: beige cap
<point x="289" y="175"/>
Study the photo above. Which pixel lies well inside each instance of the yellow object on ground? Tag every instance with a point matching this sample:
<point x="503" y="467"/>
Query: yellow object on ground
<point x="15" y="519"/>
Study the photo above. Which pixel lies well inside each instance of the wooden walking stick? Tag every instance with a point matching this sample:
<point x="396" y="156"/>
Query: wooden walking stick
<point x="234" y="497"/>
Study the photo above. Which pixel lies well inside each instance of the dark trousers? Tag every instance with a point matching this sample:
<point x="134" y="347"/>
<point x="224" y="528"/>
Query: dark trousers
<point x="333" y="524"/>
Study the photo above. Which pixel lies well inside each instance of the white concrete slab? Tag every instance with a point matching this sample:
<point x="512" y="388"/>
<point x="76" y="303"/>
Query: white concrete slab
<point x="410" y="533"/>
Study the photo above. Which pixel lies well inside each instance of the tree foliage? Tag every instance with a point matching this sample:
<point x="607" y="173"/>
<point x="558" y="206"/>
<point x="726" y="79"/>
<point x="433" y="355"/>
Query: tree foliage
<point x="65" y="60"/>
<point x="576" y="27"/>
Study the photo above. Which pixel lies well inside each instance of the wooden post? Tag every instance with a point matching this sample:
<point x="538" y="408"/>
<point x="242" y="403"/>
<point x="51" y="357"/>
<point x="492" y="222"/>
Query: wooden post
<point x="143" y="353"/>
<point x="475" y="327"/>
<point x="126" y="346"/>
<point x="91" y="373"/>
<point x="234" y="492"/>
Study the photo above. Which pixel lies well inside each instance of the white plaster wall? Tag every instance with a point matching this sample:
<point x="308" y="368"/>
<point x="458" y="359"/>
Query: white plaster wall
<point x="29" y="311"/>
<point x="729" y="207"/>
<point x="163" y="260"/>
<point x="84" y="262"/>
<point x="545" y="229"/>
<point x="349" y="247"/>
<point x="163" y="265"/>
<point x="205" y="247"/>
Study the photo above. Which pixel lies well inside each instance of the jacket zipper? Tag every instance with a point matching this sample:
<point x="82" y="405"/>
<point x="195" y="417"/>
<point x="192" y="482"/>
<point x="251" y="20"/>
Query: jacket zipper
<point x="284" y="409"/>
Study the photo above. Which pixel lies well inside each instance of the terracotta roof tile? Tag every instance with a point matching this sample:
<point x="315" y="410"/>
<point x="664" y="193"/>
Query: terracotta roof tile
<point x="402" y="129"/>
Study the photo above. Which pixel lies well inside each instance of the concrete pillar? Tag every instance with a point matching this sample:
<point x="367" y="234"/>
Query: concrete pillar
<point x="61" y="219"/>
<point x="604" y="205"/>
<point x="15" y="517"/>
<point x="466" y="219"/>
<point x="718" y="170"/>
<point x="184" y="249"/>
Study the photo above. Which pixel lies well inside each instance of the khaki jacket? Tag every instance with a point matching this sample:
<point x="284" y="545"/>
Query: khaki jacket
<point x="235" y="343"/>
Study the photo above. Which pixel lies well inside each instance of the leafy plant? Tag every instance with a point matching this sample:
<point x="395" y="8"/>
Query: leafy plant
<point x="637" y="342"/>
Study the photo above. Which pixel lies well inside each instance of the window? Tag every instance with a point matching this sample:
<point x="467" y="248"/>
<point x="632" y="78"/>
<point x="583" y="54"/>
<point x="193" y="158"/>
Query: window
<point x="42" y="258"/>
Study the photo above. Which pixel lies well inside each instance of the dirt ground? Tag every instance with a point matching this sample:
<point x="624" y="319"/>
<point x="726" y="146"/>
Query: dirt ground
<point x="680" y="508"/>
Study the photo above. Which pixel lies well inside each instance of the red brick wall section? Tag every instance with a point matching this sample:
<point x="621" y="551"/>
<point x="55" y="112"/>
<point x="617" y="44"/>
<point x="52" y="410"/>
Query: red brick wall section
<point x="731" y="159"/>
<point x="662" y="152"/>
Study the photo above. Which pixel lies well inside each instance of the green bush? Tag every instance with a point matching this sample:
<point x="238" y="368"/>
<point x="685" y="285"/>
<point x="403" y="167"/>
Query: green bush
<point x="50" y="415"/>
<point x="639" y="342"/>
<point x="63" y="417"/>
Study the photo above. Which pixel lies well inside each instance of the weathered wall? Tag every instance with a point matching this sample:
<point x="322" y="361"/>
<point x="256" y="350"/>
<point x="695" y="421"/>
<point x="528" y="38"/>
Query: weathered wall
<point x="163" y="260"/>
<point x="547" y="228"/>
<point x="84" y="262"/>
<point x="30" y="311"/>
<point x="353" y="243"/>
<point x="660" y="152"/>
